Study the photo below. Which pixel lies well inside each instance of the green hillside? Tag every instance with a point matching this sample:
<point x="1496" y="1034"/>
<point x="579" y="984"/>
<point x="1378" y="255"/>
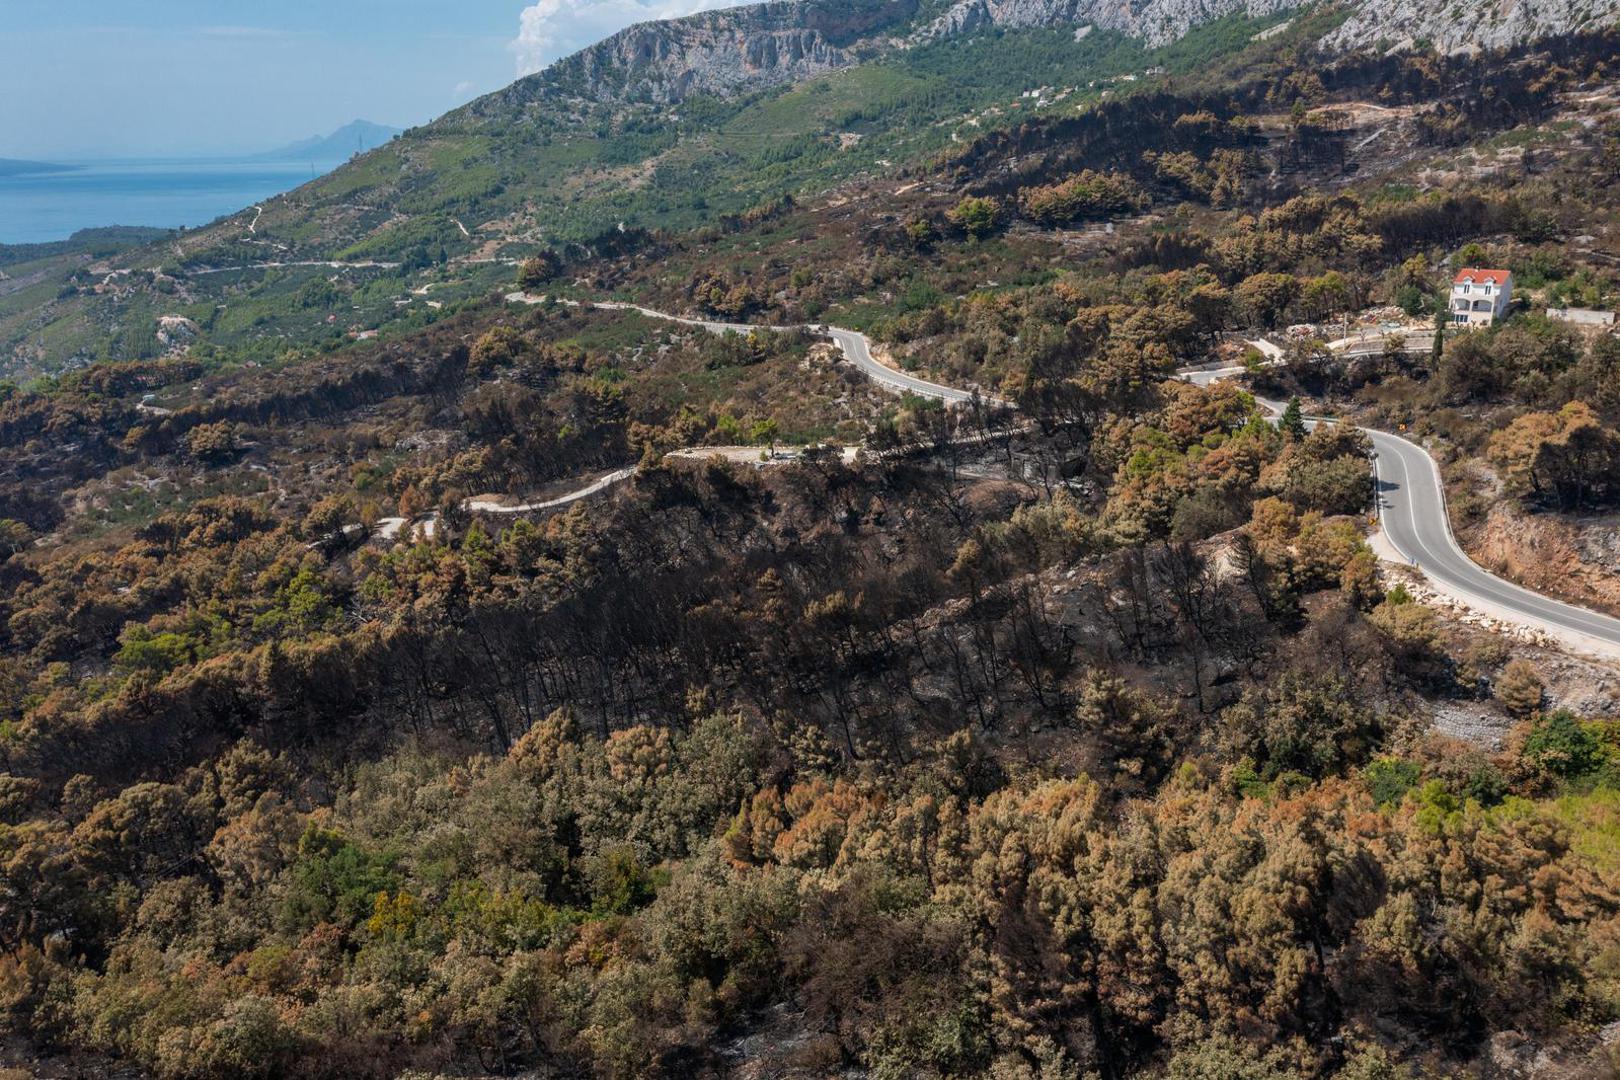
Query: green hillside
<point x="458" y="202"/>
<point x="573" y="175"/>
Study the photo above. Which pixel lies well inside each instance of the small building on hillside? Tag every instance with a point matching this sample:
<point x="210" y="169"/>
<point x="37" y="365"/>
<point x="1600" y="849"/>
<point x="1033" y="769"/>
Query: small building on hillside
<point x="1601" y="320"/>
<point x="1480" y="297"/>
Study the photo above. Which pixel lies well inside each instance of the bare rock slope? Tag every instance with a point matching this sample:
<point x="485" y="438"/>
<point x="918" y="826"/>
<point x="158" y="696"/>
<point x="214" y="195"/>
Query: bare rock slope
<point x="1157" y="22"/>
<point x="1371" y="23"/>
<point x="725" y="53"/>
<point x="1454" y="28"/>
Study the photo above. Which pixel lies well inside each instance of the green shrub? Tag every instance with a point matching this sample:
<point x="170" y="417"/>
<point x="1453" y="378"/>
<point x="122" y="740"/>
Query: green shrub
<point x="1389" y="779"/>
<point x="1560" y="744"/>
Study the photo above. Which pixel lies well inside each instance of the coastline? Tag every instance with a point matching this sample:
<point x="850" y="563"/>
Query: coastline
<point x="163" y="193"/>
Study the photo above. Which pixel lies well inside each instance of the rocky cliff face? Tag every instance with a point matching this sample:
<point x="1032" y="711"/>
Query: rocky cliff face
<point x="1450" y="27"/>
<point x="1157" y="22"/>
<point x="668" y="61"/>
<point x="728" y="52"/>
<point x="1464" y="27"/>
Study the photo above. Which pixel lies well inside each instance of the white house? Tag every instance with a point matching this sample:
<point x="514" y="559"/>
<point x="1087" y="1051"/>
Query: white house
<point x="1480" y="297"/>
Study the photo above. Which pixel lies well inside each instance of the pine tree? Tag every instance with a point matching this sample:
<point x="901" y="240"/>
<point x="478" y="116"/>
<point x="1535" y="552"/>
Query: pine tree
<point x="1292" y="423"/>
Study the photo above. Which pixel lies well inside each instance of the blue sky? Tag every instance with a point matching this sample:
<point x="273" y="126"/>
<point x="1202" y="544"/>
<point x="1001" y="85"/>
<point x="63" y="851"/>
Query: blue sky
<point x="152" y="78"/>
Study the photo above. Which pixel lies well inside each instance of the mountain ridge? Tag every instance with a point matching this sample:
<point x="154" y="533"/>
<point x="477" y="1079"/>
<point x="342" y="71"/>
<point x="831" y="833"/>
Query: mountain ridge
<point x="15" y="167"/>
<point x="733" y="50"/>
<point x="357" y="136"/>
<point x="760" y="46"/>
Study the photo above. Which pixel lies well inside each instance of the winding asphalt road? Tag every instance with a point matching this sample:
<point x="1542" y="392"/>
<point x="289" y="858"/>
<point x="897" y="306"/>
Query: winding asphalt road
<point x="1412" y="510"/>
<point x="856" y="349"/>
<point x="1412" y="507"/>
<point x="1411" y="498"/>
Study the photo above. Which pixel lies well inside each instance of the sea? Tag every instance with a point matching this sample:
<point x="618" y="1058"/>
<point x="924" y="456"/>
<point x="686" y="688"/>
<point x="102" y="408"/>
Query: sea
<point x="40" y="207"/>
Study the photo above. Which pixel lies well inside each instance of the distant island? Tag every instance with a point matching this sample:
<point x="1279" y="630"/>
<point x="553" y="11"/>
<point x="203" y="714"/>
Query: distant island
<point x="345" y="142"/>
<point x="97" y="242"/>
<point x="13" y="167"/>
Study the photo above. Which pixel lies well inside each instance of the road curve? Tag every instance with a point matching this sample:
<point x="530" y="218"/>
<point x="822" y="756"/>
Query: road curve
<point x="858" y="351"/>
<point x="1412" y="508"/>
<point x="1412" y="511"/>
<point x="855" y="346"/>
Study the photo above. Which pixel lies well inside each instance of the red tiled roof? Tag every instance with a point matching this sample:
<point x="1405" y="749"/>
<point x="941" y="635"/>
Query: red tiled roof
<point x="1471" y="276"/>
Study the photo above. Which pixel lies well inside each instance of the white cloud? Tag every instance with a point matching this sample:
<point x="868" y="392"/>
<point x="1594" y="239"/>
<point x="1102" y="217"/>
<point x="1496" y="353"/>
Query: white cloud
<point x="462" y="89"/>
<point x="550" y="29"/>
